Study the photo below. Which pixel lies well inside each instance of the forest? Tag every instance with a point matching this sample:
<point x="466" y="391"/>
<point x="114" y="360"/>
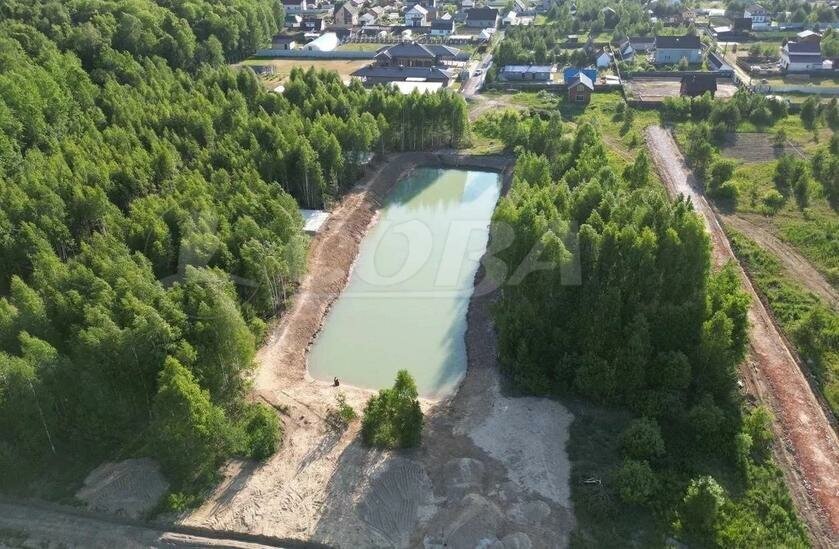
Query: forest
<point x="149" y="223"/>
<point x="632" y="316"/>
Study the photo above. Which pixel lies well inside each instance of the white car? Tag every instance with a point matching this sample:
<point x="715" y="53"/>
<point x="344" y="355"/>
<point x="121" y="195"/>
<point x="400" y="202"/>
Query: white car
<point x="479" y="72"/>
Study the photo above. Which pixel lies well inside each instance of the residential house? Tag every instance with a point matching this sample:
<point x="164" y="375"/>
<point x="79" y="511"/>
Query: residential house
<point x="442" y="27"/>
<point x="761" y="20"/>
<point x="482" y="18"/>
<point x="603" y="59"/>
<point x="368" y="18"/>
<point x="293" y="21"/>
<point x="416" y="16"/>
<point x="313" y="23"/>
<point x="642" y="44"/>
<point x="801" y="56"/>
<point x="374" y="74"/>
<point x="808" y="36"/>
<point x="467" y="4"/>
<point x="346" y="15"/>
<point x="580" y="87"/>
<point x="283" y="42"/>
<point x="510" y="19"/>
<point x="327" y="41"/>
<point x="527" y="72"/>
<point x="295" y="6"/>
<point x="696" y="84"/>
<point x="412" y="54"/>
<point x="428" y="4"/>
<point x="672" y="49"/>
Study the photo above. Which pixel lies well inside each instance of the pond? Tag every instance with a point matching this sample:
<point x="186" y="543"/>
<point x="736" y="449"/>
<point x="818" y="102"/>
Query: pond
<point x="405" y="304"/>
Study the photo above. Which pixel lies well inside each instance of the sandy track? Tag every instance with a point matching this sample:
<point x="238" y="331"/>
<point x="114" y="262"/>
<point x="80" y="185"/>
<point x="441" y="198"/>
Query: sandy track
<point x="809" y="449"/>
<point x="796" y="265"/>
<point x="469" y="483"/>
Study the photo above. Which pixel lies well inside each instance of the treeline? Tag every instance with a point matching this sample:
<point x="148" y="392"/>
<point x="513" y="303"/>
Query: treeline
<point x="631" y="315"/>
<point x="149" y="222"/>
<point x="184" y="33"/>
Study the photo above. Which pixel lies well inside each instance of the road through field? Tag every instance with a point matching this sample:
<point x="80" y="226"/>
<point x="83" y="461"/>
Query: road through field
<point x="809" y="448"/>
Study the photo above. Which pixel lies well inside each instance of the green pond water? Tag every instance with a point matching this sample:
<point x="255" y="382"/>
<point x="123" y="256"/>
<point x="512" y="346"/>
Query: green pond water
<point x="406" y="301"/>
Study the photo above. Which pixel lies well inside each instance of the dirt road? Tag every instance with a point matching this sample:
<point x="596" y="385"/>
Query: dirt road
<point x="796" y="265"/>
<point x="808" y="449"/>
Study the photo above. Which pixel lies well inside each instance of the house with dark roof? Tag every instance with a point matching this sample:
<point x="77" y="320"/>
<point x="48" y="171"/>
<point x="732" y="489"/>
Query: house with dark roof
<point x="761" y="20"/>
<point x="416" y="16"/>
<point x="801" y="56"/>
<point x="283" y="42"/>
<point x="374" y="74"/>
<point x="580" y="88"/>
<point x="442" y="27"/>
<point x="670" y="50"/>
<point x="696" y="84"/>
<point x="412" y="54"/>
<point x="313" y="23"/>
<point x="345" y="15"/>
<point x="295" y="6"/>
<point x="482" y="18"/>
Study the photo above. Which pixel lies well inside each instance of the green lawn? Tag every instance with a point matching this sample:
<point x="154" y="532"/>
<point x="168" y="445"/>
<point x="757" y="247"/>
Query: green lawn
<point x="357" y="46"/>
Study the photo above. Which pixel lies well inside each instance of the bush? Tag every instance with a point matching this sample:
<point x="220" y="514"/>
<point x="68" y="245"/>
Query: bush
<point x="773" y="200"/>
<point x="342" y="415"/>
<point x="635" y="481"/>
<point x="700" y="508"/>
<point x="393" y="418"/>
<point x="262" y="431"/>
<point x="642" y="439"/>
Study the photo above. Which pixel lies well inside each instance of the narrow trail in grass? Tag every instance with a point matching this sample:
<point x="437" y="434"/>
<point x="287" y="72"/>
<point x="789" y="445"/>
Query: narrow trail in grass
<point x="809" y="450"/>
<point x="797" y="266"/>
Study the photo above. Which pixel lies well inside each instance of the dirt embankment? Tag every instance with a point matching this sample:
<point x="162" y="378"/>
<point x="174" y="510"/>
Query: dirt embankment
<point x="808" y="449"/>
<point x="491" y="469"/>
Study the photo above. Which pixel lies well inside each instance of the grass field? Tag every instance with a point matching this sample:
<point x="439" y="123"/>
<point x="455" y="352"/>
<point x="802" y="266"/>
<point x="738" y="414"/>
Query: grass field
<point x="282" y="67"/>
<point x="358" y="46"/>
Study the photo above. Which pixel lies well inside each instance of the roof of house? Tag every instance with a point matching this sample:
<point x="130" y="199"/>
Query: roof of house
<point x="407" y="49"/>
<point x="803" y="47"/>
<point x="348" y="7"/>
<point x="419" y="9"/>
<point x="447" y="52"/>
<point x="482" y="14"/>
<point x="688" y="41"/>
<point x="527" y="68"/>
<point x="283" y="39"/>
<point x="805" y="58"/>
<point x="403" y="73"/>
<point x="699" y="83"/>
<point x="442" y="24"/>
<point x="641" y="39"/>
<point x="581" y="78"/>
<point x="756" y="9"/>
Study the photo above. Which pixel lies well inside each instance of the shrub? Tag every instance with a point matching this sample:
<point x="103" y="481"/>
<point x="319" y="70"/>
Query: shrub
<point x="262" y="431"/>
<point x="773" y="200"/>
<point x="340" y="417"/>
<point x="393" y="418"/>
<point x="635" y="481"/>
<point x="700" y="508"/>
<point x="642" y="439"/>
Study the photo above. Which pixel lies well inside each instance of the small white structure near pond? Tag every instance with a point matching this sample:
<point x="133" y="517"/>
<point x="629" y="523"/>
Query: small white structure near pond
<point x="313" y="220"/>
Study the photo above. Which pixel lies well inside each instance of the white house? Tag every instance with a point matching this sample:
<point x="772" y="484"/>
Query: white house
<point x="510" y="19"/>
<point x="760" y="17"/>
<point x="801" y="56"/>
<point x="416" y="16"/>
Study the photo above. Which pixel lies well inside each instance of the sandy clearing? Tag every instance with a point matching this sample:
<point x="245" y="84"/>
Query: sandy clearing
<point x="808" y="447"/>
<point x="326" y="487"/>
<point x="130" y="487"/>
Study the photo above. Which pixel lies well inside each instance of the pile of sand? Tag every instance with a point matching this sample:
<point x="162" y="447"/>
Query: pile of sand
<point x="131" y="487"/>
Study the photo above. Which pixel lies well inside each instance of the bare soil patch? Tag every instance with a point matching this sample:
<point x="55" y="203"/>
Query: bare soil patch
<point x="326" y="487"/>
<point x="658" y="89"/>
<point x="807" y="447"/>
<point x="131" y="487"/>
<point x="753" y="147"/>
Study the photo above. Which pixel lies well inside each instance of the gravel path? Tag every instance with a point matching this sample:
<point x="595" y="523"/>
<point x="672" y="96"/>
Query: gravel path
<point x="809" y="448"/>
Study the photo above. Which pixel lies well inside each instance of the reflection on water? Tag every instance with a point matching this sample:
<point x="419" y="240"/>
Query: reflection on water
<point x="405" y="304"/>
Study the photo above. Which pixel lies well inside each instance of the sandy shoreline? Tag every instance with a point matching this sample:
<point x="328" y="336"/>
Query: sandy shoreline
<point x="490" y="467"/>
